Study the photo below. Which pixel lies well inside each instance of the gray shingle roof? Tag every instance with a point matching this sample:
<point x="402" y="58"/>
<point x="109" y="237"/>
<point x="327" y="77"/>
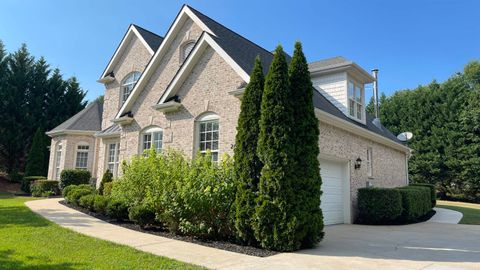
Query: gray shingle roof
<point x="111" y="130"/>
<point x="329" y="63"/>
<point x="153" y="40"/>
<point x="322" y="103"/>
<point x="88" y="119"/>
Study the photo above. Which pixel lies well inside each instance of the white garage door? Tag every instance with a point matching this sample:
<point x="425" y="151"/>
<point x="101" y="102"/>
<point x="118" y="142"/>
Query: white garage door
<point x="333" y="187"/>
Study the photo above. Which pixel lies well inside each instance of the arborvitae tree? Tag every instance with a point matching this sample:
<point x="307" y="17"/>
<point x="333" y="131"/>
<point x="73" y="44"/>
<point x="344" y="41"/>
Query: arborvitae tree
<point x="35" y="165"/>
<point x="274" y="226"/>
<point x="247" y="163"/>
<point x="306" y="206"/>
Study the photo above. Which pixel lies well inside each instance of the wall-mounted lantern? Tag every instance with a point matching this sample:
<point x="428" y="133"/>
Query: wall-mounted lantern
<point x="358" y="163"/>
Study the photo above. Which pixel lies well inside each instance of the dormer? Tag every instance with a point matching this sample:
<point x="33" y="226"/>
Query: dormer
<point x="342" y="82"/>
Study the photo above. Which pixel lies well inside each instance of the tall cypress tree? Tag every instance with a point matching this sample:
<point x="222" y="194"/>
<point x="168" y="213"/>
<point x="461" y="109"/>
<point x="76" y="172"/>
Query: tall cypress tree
<point x="274" y="226"/>
<point x="36" y="157"/>
<point x="247" y="163"/>
<point x="306" y="206"/>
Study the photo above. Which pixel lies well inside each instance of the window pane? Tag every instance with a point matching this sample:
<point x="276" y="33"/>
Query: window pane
<point x="215" y="156"/>
<point x="359" y="111"/>
<point x="358" y="94"/>
<point x="215" y="145"/>
<point x="202" y="127"/>
<point x="350" y="89"/>
<point x="351" y="107"/>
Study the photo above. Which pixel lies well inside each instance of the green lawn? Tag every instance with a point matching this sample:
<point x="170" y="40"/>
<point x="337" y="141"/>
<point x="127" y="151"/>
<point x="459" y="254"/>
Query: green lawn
<point x="470" y="211"/>
<point x="28" y="241"/>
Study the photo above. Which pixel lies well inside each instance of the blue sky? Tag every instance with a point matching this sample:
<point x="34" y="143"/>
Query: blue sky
<point x="411" y="42"/>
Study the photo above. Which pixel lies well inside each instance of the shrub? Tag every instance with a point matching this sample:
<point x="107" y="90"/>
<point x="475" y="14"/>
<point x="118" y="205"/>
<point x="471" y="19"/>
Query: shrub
<point x="433" y="192"/>
<point x="27" y="182"/>
<point x="44" y="188"/>
<point x="75" y="193"/>
<point x="107" y="188"/>
<point x="100" y="204"/>
<point x="416" y="202"/>
<point x="379" y="205"/>
<point x="68" y="189"/>
<point x="117" y="209"/>
<point x="142" y="214"/>
<point x="74" y="177"/>
<point x="87" y="201"/>
<point x="15" y="177"/>
<point x="107" y="178"/>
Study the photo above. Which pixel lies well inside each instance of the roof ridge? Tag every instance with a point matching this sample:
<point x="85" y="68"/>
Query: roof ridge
<point x="144" y="29"/>
<point x="241" y="36"/>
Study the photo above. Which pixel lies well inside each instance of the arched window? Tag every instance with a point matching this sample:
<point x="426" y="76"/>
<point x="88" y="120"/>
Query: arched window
<point x="58" y="158"/>
<point x="152" y="137"/>
<point x="81" y="161"/>
<point x="186" y="49"/>
<point x="208" y="134"/>
<point x="128" y="84"/>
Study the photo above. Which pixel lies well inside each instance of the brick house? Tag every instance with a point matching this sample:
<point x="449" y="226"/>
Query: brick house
<point x="184" y="90"/>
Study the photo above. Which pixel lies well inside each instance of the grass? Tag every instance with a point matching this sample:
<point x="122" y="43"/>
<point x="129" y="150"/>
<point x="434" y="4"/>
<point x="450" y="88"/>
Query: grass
<point x="28" y="241"/>
<point x="470" y="211"/>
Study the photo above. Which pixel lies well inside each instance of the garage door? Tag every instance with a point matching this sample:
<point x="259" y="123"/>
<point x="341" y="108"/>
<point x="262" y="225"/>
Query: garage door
<point x="333" y="187"/>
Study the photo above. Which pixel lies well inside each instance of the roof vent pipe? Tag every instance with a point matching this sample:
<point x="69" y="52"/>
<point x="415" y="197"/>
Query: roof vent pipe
<point x="375" y="93"/>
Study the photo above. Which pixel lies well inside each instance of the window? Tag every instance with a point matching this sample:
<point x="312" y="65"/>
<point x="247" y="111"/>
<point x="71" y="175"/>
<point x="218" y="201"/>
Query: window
<point x="82" y="156"/>
<point x="208" y="135"/>
<point x="128" y="84"/>
<point x="369" y="162"/>
<point x="152" y="138"/>
<point x="355" y="100"/>
<point x="58" y="158"/>
<point x="186" y="50"/>
<point x="112" y="157"/>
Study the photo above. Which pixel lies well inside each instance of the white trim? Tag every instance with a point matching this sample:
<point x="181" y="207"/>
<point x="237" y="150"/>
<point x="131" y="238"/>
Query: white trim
<point x="124" y="120"/>
<point x="345" y="125"/>
<point x="184" y="14"/>
<point x="108" y="135"/>
<point x="135" y="30"/>
<point x="82" y="143"/>
<point x="170" y="106"/>
<point x="205" y="41"/>
<point x="238" y="93"/>
<point x="127" y="38"/>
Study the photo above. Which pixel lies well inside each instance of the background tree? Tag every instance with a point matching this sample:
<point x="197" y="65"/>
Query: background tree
<point x="35" y="165"/>
<point x="31" y="96"/>
<point x="274" y="225"/>
<point x="247" y="163"/>
<point x="305" y="206"/>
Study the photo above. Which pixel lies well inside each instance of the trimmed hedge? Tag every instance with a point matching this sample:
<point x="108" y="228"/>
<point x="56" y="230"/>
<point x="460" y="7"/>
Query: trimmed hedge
<point x="432" y="191"/>
<point x="142" y="215"/>
<point x="379" y="205"/>
<point x="117" y="209"/>
<point x="44" y="188"/>
<point x="74" y="177"/>
<point x="27" y="181"/>
<point x="73" y="194"/>
<point x="416" y="202"/>
<point x="100" y="204"/>
<point x="87" y="201"/>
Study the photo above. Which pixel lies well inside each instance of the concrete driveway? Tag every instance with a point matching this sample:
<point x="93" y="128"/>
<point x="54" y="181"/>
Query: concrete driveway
<point x="417" y="246"/>
<point x="426" y="245"/>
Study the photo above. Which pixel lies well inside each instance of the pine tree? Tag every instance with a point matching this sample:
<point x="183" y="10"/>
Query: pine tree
<point x="247" y="163"/>
<point x="274" y="226"/>
<point x="35" y="165"/>
<point x="306" y="205"/>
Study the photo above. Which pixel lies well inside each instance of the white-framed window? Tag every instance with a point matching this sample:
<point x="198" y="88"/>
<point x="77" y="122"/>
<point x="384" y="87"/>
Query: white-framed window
<point x="152" y="137"/>
<point x="58" y="159"/>
<point x="369" y="162"/>
<point x="128" y="83"/>
<point x="355" y="100"/>
<point x="113" y="152"/>
<point x="186" y="49"/>
<point x="81" y="160"/>
<point x="208" y="134"/>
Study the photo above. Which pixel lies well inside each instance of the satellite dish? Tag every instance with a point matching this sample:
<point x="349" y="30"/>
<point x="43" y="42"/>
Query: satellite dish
<point x="405" y="136"/>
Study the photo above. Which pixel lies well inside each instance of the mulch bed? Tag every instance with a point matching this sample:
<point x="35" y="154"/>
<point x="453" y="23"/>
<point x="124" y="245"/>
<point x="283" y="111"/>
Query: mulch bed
<point x="248" y="250"/>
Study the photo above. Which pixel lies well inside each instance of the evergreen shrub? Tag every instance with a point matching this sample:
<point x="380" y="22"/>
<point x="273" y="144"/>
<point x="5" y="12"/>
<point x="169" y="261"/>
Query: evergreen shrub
<point x="74" y="177"/>
<point x="44" y="188"/>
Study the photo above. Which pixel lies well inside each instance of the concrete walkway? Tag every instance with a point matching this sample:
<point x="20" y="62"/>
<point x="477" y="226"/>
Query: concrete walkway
<point x="448" y="216"/>
<point x="417" y="246"/>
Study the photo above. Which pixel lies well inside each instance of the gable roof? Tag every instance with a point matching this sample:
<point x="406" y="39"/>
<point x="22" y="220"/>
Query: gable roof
<point x="153" y="40"/>
<point x="150" y="40"/>
<point x="88" y="120"/>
